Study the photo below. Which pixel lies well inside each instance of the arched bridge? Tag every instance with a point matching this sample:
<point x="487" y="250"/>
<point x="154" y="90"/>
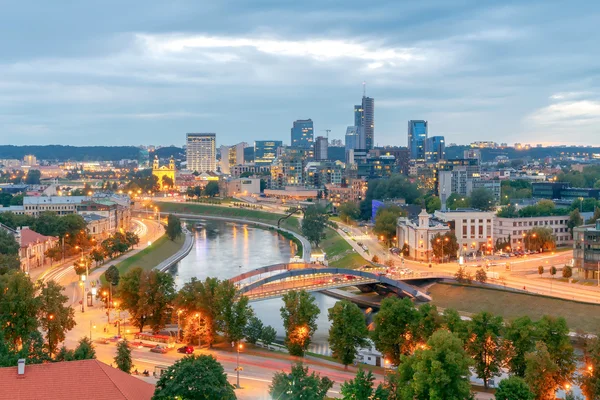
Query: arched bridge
<point x="316" y="279"/>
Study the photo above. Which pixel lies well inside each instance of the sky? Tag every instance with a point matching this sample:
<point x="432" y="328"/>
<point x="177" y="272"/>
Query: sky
<point x="146" y="72"/>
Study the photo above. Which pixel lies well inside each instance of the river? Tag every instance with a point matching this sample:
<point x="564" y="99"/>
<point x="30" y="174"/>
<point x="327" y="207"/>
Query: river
<point x="225" y="249"/>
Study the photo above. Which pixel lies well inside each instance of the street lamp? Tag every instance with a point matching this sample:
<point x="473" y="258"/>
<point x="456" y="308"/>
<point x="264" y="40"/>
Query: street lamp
<point x="238" y="368"/>
<point x="82" y="283"/>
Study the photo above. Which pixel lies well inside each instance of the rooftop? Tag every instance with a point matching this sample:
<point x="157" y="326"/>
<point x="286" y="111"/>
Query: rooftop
<point x="29" y="236"/>
<point x="37" y="200"/>
<point x="62" y="380"/>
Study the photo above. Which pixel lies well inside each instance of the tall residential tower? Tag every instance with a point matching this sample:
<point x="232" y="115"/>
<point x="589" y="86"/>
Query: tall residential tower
<point x="417" y="139"/>
<point x="201" y="152"/>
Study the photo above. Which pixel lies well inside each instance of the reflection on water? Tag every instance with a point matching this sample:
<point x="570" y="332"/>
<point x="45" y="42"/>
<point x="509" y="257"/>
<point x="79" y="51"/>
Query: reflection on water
<point x="225" y="249"/>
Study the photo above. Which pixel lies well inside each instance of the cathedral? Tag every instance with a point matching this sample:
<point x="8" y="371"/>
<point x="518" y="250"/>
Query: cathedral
<point x="165" y="175"/>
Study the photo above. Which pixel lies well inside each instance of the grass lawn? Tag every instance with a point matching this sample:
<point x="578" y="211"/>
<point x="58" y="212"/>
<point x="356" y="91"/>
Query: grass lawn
<point x="510" y="305"/>
<point x="351" y="261"/>
<point x="151" y="256"/>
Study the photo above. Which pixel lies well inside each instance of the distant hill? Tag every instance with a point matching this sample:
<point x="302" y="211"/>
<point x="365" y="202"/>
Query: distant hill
<point x="165" y="152"/>
<point x="534" y="153"/>
<point x="71" y="153"/>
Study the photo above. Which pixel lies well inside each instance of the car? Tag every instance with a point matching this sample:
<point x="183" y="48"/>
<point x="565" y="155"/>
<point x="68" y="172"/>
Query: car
<point x="505" y="255"/>
<point x="159" y="349"/>
<point x="350" y="277"/>
<point x="185" y="350"/>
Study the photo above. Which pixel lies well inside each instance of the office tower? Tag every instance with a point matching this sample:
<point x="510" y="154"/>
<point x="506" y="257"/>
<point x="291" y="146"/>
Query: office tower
<point x="265" y="151"/>
<point x="302" y="134"/>
<point x="364" y="120"/>
<point x="435" y="149"/>
<point x="358" y="115"/>
<point x="321" y="147"/>
<point x="417" y="137"/>
<point x="201" y="152"/>
<point x="352" y="141"/>
<point x="231" y="156"/>
<point x="30" y="160"/>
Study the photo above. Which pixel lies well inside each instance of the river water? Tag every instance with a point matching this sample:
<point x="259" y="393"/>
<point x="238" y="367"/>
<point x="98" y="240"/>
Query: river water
<point x="225" y="249"/>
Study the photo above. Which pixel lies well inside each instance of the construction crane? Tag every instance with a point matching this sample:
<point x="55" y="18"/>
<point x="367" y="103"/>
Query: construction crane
<point x="328" y="131"/>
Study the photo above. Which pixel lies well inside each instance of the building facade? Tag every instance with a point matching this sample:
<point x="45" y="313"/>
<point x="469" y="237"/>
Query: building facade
<point x="253" y="169"/>
<point x="417" y="235"/>
<point x="230" y="156"/>
<point x="368" y="122"/>
<point x="321" y="148"/>
<point x="265" y="151"/>
<point x="586" y="250"/>
<point x="417" y="139"/>
<point x="201" y="152"/>
<point x="435" y="149"/>
<point x="515" y="228"/>
<point x="302" y="134"/>
<point x="474" y="229"/>
<point x="165" y="174"/>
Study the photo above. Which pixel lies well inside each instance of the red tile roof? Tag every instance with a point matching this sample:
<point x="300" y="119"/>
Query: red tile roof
<point x="72" y="380"/>
<point x="28" y="236"/>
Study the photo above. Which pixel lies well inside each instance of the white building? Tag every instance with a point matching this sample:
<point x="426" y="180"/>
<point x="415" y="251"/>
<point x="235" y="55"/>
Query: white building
<point x="516" y="227"/>
<point x="61" y="205"/>
<point x="474" y="229"/>
<point x="231" y="156"/>
<point x="417" y="235"/>
<point x="201" y="152"/>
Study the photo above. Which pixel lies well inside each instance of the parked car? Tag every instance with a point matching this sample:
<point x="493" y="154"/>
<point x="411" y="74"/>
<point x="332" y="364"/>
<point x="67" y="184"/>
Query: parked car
<point x="159" y="349"/>
<point x="185" y="350"/>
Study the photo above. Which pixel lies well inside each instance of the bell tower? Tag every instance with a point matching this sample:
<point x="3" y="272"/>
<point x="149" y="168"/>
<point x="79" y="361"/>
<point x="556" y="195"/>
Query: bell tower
<point x="155" y="164"/>
<point x="172" y="164"/>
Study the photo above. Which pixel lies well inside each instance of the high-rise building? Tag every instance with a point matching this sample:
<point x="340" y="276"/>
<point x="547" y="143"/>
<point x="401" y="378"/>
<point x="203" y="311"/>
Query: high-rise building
<point x="231" y="156"/>
<point x="321" y="147"/>
<point x="358" y="115"/>
<point x="201" y="152"/>
<point x="417" y="138"/>
<point x="265" y="151"/>
<point x="302" y="134"/>
<point x="435" y="149"/>
<point x="30" y="160"/>
<point x="364" y="120"/>
<point x="352" y="141"/>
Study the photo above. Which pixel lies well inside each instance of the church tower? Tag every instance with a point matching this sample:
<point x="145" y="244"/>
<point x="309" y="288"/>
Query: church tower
<point x="172" y="164"/>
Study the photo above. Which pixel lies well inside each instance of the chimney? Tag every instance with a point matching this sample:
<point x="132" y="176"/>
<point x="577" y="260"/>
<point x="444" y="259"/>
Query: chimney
<point x="21" y="367"/>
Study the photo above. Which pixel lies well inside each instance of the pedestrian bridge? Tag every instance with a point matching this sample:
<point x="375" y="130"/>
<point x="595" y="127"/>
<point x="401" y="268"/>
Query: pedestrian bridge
<point x="314" y="277"/>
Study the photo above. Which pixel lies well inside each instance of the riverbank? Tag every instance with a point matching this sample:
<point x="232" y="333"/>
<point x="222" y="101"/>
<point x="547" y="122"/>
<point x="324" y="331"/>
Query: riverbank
<point x="153" y="255"/>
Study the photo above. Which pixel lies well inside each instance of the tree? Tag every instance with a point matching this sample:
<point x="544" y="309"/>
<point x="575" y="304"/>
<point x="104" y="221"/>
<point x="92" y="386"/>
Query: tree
<point x="513" y="388"/>
<point x="84" y="350"/>
<point x="485" y="345"/>
<point x="348" y="331"/>
<point x="432" y="204"/>
<point x="8" y="244"/>
<point x="194" y="377"/>
<point x="33" y="177"/>
<point x="541" y="270"/>
<point x="299" y="314"/>
<point x="444" y="246"/>
<point x="454" y="323"/>
<point x="55" y="318"/>
<point x="440" y="371"/>
<point x="268" y="335"/>
<point x="174" y="229"/>
<point x="211" y="189"/>
<point x="541" y="373"/>
<point x="167" y="182"/>
<point x="386" y="222"/>
<point x="428" y="322"/>
<point x="482" y="199"/>
<point x="455" y="201"/>
<point x="348" y="211"/>
<point x="553" y="271"/>
<point x="313" y="224"/>
<point x="112" y="275"/>
<point x="64" y="354"/>
<point x="361" y="387"/>
<point x="590" y="377"/>
<point x="299" y="385"/>
<point x="199" y="297"/>
<point x="394" y="328"/>
<point x="520" y="334"/>
<point x="253" y="330"/>
<point x="157" y="294"/>
<point x="567" y="272"/>
<point x="233" y="311"/>
<point x="17" y="298"/>
<point x="574" y="221"/>
<point x="123" y="357"/>
<point x="554" y="332"/>
<point x="481" y="275"/>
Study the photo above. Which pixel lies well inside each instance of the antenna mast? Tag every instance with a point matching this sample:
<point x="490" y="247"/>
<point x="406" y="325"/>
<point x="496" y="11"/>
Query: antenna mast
<point x="364" y="89"/>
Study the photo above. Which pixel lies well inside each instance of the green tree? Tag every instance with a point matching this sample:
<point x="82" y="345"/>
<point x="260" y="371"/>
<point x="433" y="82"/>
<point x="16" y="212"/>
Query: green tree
<point x="482" y="199"/>
<point x="445" y="247"/>
<point x="268" y="335"/>
<point x="553" y="271"/>
<point x="348" y="331"/>
<point x="454" y="323"/>
<point x="394" y="328"/>
<point x="233" y="311"/>
<point x="8" y="244"/>
<point x="64" y="354"/>
<point x="574" y="221"/>
<point x="441" y="371"/>
<point x="253" y="330"/>
<point x="590" y="376"/>
<point x="567" y="272"/>
<point x="299" y="385"/>
<point x="521" y="335"/>
<point x="200" y="297"/>
<point x="211" y="189"/>
<point x="541" y="373"/>
<point x="123" y="359"/>
<point x="33" y="177"/>
<point x="17" y="298"/>
<point x="481" y="275"/>
<point x="432" y="204"/>
<point x="174" y="229"/>
<point x="313" y="224"/>
<point x="54" y="317"/>
<point x="386" y="222"/>
<point x="84" y="350"/>
<point x="485" y="345"/>
<point x="299" y="314"/>
<point x="513" y="388"/>
<point x="541" y="270"/>
<point x="361" y="387"/>
<point x="348" y="211"/>
<point x="456" y="201"/>
<point x="428" y="322"/>
<point x="194" y="377"/>
<point x="554" y="332"/>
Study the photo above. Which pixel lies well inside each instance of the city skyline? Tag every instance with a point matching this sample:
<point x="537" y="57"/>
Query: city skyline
<point x="478" y="72"/>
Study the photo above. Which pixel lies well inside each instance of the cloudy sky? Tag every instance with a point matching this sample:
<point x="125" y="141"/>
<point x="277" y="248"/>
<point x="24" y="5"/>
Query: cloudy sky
<point x="146" y="72"/>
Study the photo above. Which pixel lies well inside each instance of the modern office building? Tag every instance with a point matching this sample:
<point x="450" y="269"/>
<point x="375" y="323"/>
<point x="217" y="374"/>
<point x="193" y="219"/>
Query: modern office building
<point x="230" y="156"/>
<point x="562" y="190"/>
<point x="417" y="139"/>
<point x="586" y="251"/>
<point x="358" y="115"/>
<point x="364" y="121"/>
<point x="435" y="149"/>
<point x="514" y="228"/>
<point x="302" y="134"/>
<point x="321" y="148"/>
<point x="201" y="152"/>
<point x="352" y="139"/>
<point x="265" y="151"/>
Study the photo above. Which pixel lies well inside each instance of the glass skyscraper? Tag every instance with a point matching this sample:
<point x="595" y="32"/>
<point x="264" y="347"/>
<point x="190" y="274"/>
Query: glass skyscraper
<point x="364" y="120"/>
<point x="265" y="151"/>
<point x="435" y="149"/>
<point x="302" y="134"/>
<point x="417" y="139"/>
